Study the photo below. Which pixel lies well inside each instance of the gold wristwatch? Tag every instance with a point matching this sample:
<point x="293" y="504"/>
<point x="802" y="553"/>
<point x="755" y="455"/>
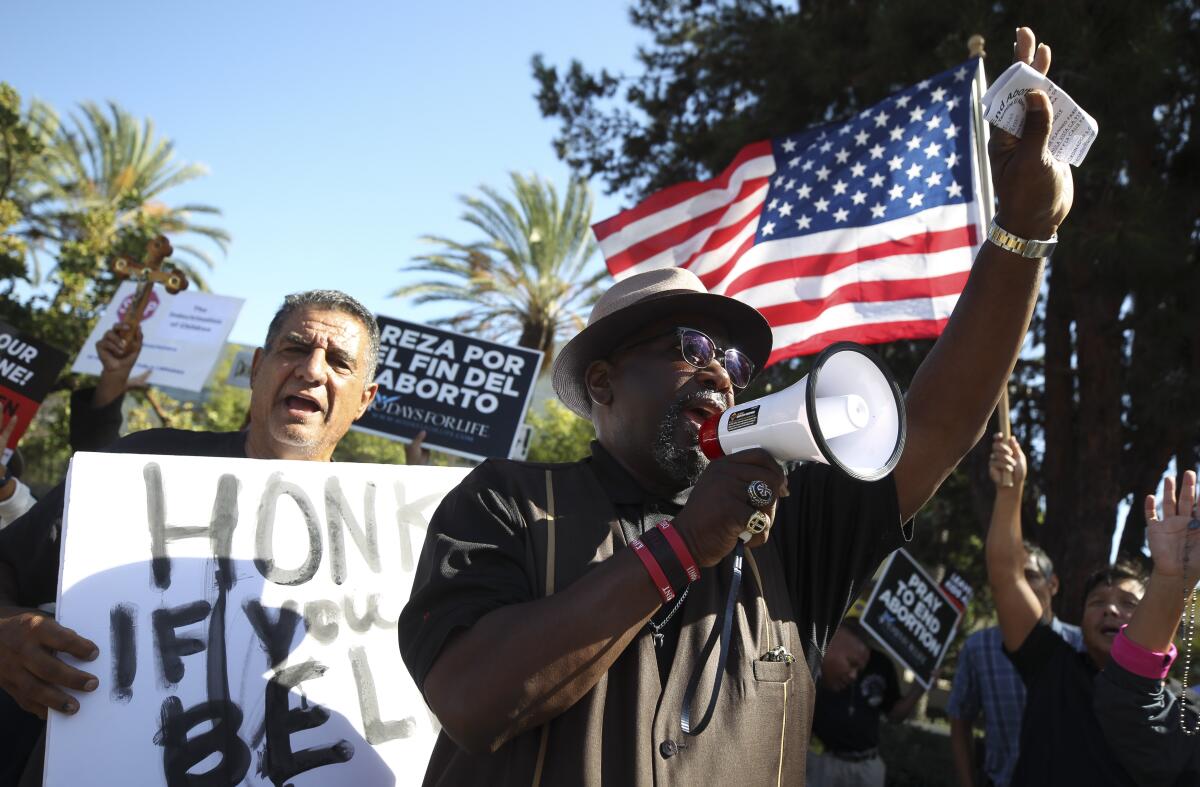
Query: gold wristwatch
<point x="1026" y="248"/>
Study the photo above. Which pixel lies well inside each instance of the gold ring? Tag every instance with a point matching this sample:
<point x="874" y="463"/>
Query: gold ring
<point x="757" y="523"/>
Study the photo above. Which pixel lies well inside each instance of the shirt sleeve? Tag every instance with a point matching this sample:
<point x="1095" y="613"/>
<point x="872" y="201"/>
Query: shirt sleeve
<point x="832" y="532"/>
<point x="17" y="504"/>
<point x="964" y="703"/>
<point x="1037" y="651"/>
<point x="29" y="552"/>
<point x="1140" y="720"/>
<point x="94" y="428"/>
<point x="473" y="562"/>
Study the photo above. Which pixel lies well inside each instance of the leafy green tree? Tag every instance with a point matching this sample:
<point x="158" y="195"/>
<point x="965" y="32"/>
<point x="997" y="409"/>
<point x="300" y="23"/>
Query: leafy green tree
<point x="21" y="148"/>
<point x="84" y="194"/>
<point x="112" y="165"/>
<point x="558" y="434"/>
<point x="1105" y="396"/>
<point x="526" y="280"/>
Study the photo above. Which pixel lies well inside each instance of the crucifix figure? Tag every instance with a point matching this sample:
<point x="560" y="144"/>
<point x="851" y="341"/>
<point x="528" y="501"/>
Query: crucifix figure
<point x="149" y="272"/>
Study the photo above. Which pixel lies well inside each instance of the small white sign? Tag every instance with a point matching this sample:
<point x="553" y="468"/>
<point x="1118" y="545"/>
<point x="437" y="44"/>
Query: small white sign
<point x="239" y="370"/>
<point x="1074" y="130"/>
<point x="245" y="611"/>
<point x="183" y="335"/>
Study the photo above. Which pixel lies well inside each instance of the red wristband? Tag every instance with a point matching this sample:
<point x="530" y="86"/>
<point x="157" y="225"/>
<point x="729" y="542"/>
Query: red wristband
<point x="656" y="573"/>
<point x="680" y="549"/>
<point x="1139" y="660"/>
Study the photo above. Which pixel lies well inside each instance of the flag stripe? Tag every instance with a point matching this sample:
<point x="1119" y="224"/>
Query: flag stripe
<point x="864" y="229"/>
<point x="877" y="333"/>
<point x="679" y="203"/>
<point x="838" y="241"/>
<point x="812" y="288"/>
<point x="849" y="315"/>
<point x="863" y="292"/>
<point x="679" y="243"/>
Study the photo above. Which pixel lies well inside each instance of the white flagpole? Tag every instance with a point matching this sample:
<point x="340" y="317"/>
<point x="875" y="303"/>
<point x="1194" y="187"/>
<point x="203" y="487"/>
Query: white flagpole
<point x="975" y="45"/>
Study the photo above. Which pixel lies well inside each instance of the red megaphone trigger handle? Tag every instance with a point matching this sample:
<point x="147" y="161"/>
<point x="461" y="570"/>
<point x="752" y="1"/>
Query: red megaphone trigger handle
<point x="710" y="442"/>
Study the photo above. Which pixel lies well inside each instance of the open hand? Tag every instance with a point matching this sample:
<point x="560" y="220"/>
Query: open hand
<point x="31" y="672"/>
<point x="1175" y="536"/>
<point x="1034" y="188"/>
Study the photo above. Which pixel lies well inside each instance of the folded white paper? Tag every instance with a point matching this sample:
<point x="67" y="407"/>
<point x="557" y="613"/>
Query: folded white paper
<point x="1074" y="130"/>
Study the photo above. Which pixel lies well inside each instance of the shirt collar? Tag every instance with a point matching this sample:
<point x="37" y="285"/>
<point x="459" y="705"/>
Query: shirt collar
<point x="621" y="487"/>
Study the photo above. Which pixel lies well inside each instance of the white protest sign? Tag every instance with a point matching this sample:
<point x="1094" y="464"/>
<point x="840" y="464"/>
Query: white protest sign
<point x="1074" y="130"/>
<point x="183" y="335"/>
<point x="278" y="664"/>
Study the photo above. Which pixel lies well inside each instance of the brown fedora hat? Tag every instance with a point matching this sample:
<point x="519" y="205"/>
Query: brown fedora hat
<point x="637" y="301"/>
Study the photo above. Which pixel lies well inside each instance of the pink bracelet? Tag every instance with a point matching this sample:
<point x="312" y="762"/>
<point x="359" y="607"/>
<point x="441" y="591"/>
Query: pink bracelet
<point x="1140" y="661"/>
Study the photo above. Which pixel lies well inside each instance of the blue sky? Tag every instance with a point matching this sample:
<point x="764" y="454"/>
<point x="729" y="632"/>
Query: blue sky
<point x="336" y="134"/>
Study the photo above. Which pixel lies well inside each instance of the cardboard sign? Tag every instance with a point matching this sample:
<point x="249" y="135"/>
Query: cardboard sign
<point x="469" y="395"/>
<point x="245" y="612"/>
<point x="28" y="367"/>
<point x="183" y="335"/>
<point x="911" y="616"/>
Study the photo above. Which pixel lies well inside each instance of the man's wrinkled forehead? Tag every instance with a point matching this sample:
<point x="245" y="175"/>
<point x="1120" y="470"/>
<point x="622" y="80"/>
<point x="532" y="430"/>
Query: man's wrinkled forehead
<point x="325" y="328"/>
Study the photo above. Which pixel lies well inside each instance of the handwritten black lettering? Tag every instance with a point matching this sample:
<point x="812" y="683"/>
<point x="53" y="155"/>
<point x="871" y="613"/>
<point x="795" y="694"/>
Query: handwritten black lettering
<point x="219" y="529"/>
<point x="171" y="648"/>
<point x="276" y="635"/>
<point x="264" y="544"/>
<point x="282" y="763"/>
<point x="181" y="753"/>
<point x="123" y="638"/>
<point x="366" y="538"/>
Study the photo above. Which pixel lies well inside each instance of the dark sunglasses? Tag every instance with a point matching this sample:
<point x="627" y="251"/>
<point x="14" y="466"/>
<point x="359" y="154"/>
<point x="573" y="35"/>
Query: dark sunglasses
<point x="699" y="351"/>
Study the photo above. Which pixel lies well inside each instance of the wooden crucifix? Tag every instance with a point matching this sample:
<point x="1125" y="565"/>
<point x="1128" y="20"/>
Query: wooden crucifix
<point x="147" y="273"/>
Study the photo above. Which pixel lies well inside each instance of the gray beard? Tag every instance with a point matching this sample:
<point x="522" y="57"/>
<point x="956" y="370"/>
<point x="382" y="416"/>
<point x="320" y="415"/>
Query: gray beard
<point x="683" y="465"/>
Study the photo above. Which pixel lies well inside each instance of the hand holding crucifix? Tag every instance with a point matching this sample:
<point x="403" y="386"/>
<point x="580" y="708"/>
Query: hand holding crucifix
<point x="152" y="270"/>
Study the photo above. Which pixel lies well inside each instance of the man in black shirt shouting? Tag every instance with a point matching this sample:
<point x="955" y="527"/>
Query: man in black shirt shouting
<point x="310" y="381"/>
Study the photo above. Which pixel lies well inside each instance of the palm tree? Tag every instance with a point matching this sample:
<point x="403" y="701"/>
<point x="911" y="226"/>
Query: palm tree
<point x="112" y="166"/>
<point x="525" y="280"/>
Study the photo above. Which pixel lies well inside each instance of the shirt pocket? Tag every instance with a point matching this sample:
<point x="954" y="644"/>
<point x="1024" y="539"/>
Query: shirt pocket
<point x="772" y="671"/>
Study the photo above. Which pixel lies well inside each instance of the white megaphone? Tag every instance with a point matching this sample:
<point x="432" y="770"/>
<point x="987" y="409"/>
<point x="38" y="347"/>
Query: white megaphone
<point x="847" y="413"/>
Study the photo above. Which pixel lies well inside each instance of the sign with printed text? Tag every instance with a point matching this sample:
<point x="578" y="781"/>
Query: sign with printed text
<point x="468" y="395"/>
<point x="959" y="590"/>
<point x="183" y="335"/>
<point x="28" y="367"/>
<point x="245" y="612"/>
<point x="911" y="616"/>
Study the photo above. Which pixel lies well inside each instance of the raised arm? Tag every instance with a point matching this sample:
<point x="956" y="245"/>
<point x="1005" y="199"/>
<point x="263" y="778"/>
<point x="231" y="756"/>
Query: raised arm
<point x="1017" y="606"/>
<point x="1175" y="548"/>
<point x="1139" y="717"/>
<point x="959" y="383"/>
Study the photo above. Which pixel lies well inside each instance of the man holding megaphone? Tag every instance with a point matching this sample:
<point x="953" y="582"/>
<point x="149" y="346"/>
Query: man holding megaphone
<point x="574" y="623"/>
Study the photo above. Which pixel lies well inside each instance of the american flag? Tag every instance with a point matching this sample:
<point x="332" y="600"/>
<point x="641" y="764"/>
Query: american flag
<point x="862" y="230"/>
